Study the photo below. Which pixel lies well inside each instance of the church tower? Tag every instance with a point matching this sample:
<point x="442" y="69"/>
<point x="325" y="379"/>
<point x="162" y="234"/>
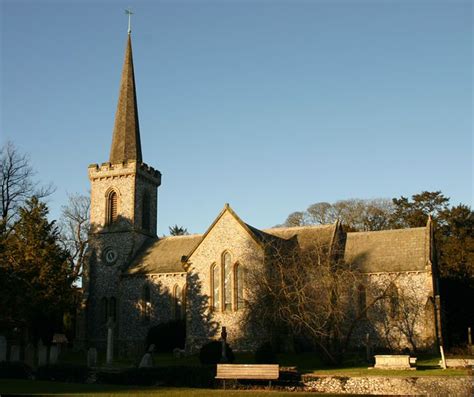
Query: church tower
<point x="123" y="210"/>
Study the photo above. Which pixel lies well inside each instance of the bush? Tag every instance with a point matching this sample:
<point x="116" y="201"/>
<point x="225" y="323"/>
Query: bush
<point x="182" y="376"/>
<point x="211" y="353"/>
<point x="63" y="373"/>
<point x="14" y="370"/>
<point x="265" y="354"/>
<point x="167" y="336"/>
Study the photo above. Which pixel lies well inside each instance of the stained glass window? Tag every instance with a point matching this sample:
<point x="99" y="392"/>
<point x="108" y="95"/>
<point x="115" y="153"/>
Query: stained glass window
<point x="227" y="281"/>
<point x="215" y="287"/>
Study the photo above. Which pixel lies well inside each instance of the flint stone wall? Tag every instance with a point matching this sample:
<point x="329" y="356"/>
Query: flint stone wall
<point x="133" y="327"/>
<point x="202" y="324"/>
<point x="415" y="318"/>
<point x="382" y="385"/>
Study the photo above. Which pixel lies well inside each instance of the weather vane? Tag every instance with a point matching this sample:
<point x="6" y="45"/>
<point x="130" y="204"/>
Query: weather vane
<point x="129" y="12"/>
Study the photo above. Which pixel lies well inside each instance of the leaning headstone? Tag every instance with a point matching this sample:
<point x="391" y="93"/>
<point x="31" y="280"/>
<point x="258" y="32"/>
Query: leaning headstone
<point x="42" y="354"/>
<point x="30" y="355"/>
<point x="92" y="357"/>
<point x="3" y="348"/>
<point x="15" y="353"/>
<point x="147" y="359"/>
<point x="53" y="354"/>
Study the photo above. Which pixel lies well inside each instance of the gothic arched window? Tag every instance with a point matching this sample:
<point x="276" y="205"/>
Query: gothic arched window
<point x="146" y="211"/>
<point x="361" y="300"/>
<point x="238" y="287"/>
<point x="215" y="287"/>
<point x="104" y="310"/>
<point x="227" y="281"/>
<point x="112" y="203"/>
<point x="177" y="302"/>
<point x="183" y="301"/>
<point x="113" y="308"/>
<point x="392" y="294"/>
<point x="146" y="303"/>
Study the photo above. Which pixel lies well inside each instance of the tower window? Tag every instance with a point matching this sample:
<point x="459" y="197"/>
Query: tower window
<point x="112" y="201"/>
<point x="104" y="310"/>
<point x="113" y="308"/>
<point x="146" y="211"/>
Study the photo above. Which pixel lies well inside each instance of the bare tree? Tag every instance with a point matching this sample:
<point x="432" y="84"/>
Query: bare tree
<point x="17" y="183"/>
<point x="75" y="226"/>
<point x="307" y="293"/>
<point x="355" y="214"/>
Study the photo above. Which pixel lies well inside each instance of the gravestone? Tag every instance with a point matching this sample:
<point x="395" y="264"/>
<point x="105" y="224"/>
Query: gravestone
<point x="3" y="348"/>
<point x="393" y="361"/>
<point x="53" y="354"/>
<point x="30" y="355"/>
<point x="15" y="353"/>
<point x="92" y="357"/>
<point x="147" y="359"/>
<point x="42" y="354"/>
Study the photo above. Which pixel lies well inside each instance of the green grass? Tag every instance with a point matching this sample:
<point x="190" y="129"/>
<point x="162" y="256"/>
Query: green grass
<point x="8" y="386"/>
<point x="307" y="363"/>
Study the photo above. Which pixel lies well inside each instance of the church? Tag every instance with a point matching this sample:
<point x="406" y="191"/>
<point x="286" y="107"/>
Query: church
<point x="135" y="280"/>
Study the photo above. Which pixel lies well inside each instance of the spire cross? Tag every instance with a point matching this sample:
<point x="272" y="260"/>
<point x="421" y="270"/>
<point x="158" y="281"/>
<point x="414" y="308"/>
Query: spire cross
<point x="129" y="12"/>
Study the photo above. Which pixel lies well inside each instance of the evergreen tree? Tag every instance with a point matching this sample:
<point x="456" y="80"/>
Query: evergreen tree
<point x="35" y="273"/>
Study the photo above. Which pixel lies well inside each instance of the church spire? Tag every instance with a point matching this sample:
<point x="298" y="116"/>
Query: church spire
<point x="126" y="138"/>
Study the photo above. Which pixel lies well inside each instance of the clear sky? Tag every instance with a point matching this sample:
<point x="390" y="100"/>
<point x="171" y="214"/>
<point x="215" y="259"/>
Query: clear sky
<point x="268" y="105"/>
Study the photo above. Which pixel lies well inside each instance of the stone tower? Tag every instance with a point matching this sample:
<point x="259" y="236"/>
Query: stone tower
<point x="123" y="210"/>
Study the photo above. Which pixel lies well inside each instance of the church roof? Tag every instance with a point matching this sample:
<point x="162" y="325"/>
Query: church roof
<point x="163" y="255"/>
<point x="126" y="137"/>
<point x="388" y="250"/>
<point x="308" y="237"/>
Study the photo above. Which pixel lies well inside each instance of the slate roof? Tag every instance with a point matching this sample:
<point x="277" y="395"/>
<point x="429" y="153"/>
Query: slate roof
<point x="163" y="255"/>
<point x="307" y="236"/>
<point x="126" y="137"/>
<point x="388" y="250"/>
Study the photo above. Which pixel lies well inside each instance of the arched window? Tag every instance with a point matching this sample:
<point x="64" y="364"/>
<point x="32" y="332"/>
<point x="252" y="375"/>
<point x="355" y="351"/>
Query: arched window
<point x="227" y="280"/>
<point x="238" y="287"/>
<point x="113" y="308"/>
<point x="183" y="299"/>
<point x="361" y="301"/>
<point x="392" y="294"/>
<point x="177" y="302"/>
<point x="146" y="211"/>
<point x="146" y="303"/>
<point x="112" y="202"/>
<point x="215" y="287"/>
<point x="104" y="310"/>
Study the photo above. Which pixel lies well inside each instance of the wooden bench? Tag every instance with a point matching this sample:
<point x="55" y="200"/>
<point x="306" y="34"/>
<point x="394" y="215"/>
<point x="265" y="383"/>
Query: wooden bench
<point x="248" y="371"/>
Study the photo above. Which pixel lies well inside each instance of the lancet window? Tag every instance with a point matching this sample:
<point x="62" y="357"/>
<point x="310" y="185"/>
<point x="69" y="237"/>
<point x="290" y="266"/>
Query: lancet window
<point x="112" y="204"/>
<point x="146" y="303"/>
<point x="215" y="287"/>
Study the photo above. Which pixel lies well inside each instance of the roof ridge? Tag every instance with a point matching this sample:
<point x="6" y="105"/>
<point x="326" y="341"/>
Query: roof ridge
<point x="390" y="230"/>
<point x="327" y="225"/>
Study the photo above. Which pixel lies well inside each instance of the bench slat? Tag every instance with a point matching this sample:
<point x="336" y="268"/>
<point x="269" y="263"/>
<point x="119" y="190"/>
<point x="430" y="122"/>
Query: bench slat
<point x="247" y="371"/>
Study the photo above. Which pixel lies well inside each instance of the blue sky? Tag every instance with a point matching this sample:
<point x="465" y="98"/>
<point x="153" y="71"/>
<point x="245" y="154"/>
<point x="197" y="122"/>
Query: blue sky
<point x="268" y="105"/>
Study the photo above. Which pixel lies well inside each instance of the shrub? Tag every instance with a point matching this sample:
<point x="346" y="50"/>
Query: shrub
<point x="265" y="354"/>
<point x="211" y="353"/>
<point x="14" y="370"/>
<point x="183" y="376"/>
<point x="63" y="373"/>
<point x="167" y="336"/>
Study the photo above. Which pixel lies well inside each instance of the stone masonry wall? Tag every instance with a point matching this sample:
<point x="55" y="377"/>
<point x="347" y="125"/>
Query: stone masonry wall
<point x="412" y="324"/>
<point x="202" y="323"/>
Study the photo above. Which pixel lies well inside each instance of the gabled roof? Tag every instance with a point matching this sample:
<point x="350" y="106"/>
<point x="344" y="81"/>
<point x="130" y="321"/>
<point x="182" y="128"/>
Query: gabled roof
<point x="256" y="234"/>
<point x="388" y="250"/>
<point x="308" y="237"/>
<point x="126" y="137"/>
<point x="163" y="255"/>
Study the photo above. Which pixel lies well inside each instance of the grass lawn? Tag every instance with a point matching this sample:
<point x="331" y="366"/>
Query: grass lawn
<point x="8" y="386"/>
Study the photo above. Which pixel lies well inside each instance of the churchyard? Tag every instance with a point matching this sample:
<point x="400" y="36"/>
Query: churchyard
<point x="60" y="370"/>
